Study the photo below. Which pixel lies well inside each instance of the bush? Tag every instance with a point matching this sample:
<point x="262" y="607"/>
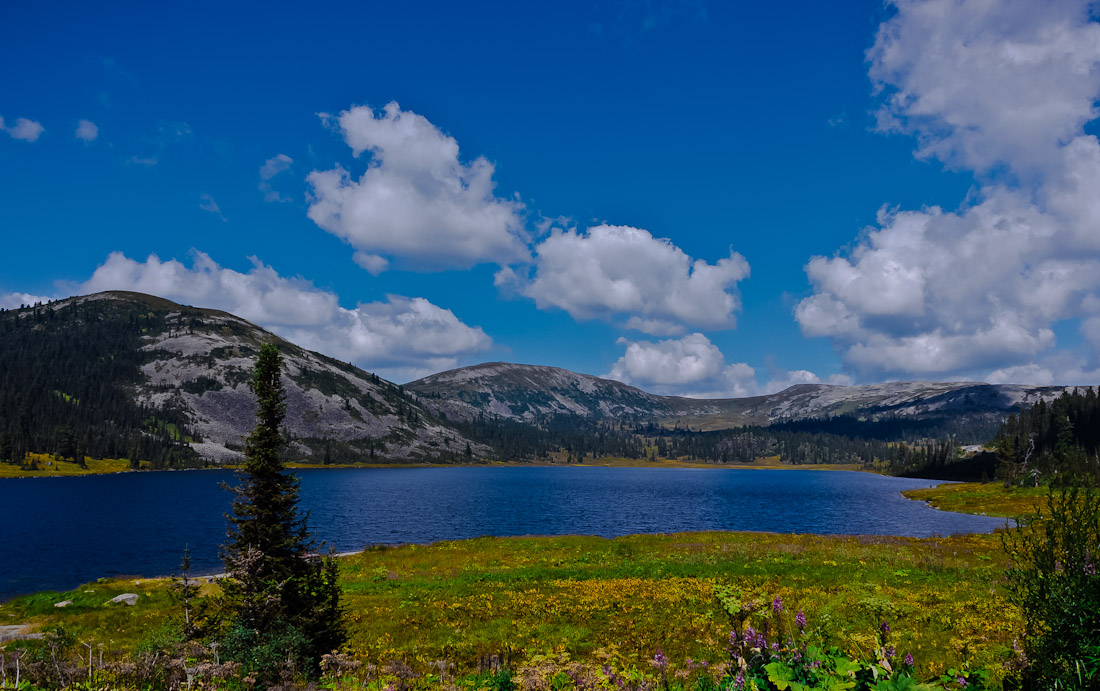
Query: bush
<point x="267" y="657"/>
<point x="1052" y="576"/>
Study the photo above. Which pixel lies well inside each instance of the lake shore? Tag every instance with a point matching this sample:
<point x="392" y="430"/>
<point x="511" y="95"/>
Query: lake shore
<point x="534" y="596"/>
<point x="50" y="466"/>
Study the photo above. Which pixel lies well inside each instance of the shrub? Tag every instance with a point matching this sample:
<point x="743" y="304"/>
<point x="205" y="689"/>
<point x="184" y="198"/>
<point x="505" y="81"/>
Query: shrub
<point x="1052" y="576"/>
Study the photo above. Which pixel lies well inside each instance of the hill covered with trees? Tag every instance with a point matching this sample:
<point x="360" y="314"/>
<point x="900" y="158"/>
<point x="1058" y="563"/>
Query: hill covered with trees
<point x="127" y="375"/>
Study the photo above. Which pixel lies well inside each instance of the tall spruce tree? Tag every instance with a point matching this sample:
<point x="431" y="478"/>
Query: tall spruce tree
<point x="276" y="585"/>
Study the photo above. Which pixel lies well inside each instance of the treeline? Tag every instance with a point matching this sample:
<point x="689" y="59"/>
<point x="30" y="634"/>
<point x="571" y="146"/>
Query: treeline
<point x="1051" y="441"/>
<point x="899" y="445"/>
<point x="575" y="436"/>
<point x="64" y="373"/>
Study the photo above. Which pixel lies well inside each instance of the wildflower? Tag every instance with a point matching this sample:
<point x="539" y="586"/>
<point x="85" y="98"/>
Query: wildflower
<point x="1090" y="569"/>
<point x="885" y="628"/>
<point x="909" y="659"/>
<point x="739" y="682"/>
<point x="800" y="619"/>
<point x="890" y="652"/>
<point x="777" y="604"/>
<point x="750" y="635"/>
<point x="962" y="682"/>
<point x="659" y="660"/>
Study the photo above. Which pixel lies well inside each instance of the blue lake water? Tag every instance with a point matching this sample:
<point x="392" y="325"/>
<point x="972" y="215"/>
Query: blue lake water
<point x="61" y="532"/>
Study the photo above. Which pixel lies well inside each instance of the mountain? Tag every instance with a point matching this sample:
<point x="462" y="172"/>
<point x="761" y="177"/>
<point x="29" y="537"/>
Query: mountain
<point x="528" y="392"/>
<point x="525" y="392"/>
<point x="129" y="374"/>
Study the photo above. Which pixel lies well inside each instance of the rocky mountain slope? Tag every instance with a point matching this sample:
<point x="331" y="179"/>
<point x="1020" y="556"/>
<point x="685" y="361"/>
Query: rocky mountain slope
<point x="196" y="363"/>
<point x="525" y="392"/>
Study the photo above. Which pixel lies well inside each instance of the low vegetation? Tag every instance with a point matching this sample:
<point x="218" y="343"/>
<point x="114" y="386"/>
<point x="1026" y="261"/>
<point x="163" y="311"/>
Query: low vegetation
<point x="549" y="608"/>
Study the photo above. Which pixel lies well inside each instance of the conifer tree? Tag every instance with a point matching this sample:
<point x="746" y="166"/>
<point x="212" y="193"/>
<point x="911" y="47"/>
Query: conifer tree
<point x="275" y="584"/>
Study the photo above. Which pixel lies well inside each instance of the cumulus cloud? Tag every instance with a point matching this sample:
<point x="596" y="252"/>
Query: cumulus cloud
<point x="27" y="130"/>
<point x="86" y="131"/>
<point x="688" y="366"/>
<point x="416" y="200"/>
<point x="207" y="203"/>
<point x="15" y="300"/>
<point x="612" y="272"/>
<point x="693" y="366"/>
<point x="272" y="167"/>
<point x="1002" y="89"/>
<point x="398" y="337"/>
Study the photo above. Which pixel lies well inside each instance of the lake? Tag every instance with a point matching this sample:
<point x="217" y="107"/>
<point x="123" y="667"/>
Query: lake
<point x="61" y="532"/>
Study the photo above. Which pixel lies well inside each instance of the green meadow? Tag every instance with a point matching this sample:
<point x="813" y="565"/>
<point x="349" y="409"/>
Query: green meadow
<point x="542" y="606"/>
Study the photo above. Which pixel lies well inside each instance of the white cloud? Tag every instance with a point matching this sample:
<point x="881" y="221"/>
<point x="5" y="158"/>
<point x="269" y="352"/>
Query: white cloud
<point x="147" y="161"/>
<point x="693" y="366"/>
<point x="689" y="366"/>
<point x="984" y="83"/>
<point x="27" y="130"/>
<point x="87" y="131"/>
<point x="15" y="300"/>
<point x="272" y="167"/>
<point x="415" y="200"/>
<point x="619" y="271"/>
<point x="1022" y="374"/>
<point x="1002" y="89"/>
<point x="207" y="203"/>
<point x="784" y="380"/>
<point x="275" y="165"/>
<point x="399" y="336"/>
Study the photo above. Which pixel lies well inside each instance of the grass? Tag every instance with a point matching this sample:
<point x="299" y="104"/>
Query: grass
<point x="584" y="596"/>
<point x="990" y="499"/>
<point x="50" y="466"/>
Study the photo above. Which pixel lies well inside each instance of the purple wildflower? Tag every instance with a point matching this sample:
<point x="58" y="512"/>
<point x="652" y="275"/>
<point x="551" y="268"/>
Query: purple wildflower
<point x="750" y="635"/>
<point x="739" y="682"/>
<point x="962" y="683"/>
<point x="775" y="647"/>
<point x="659" y="660"/>
<point x="1090" y="569"/>
<point x="884" y="627"/>
<point x="890" y="652"/>
<point x="909" y="659"/>
<point x="800" y="619"/>
<point x="777" y="604"/>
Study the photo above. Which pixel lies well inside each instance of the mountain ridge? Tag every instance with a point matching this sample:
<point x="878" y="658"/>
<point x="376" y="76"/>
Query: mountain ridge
<point x="176" y="383"/>
<point x="527" y="392"/>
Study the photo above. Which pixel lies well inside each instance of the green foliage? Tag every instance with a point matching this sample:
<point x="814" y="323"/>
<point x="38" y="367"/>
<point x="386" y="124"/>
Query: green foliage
<point x="488" y="681"/>
<point x="1052" y="442"/>
<point x="66" y="371"/>
<point x="1053" y="577"/>
<point x="264" y="655"/>
<point x="275" y="583"/>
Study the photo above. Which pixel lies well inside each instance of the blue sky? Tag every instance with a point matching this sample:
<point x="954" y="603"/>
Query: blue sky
<point x="696" y="198"/>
